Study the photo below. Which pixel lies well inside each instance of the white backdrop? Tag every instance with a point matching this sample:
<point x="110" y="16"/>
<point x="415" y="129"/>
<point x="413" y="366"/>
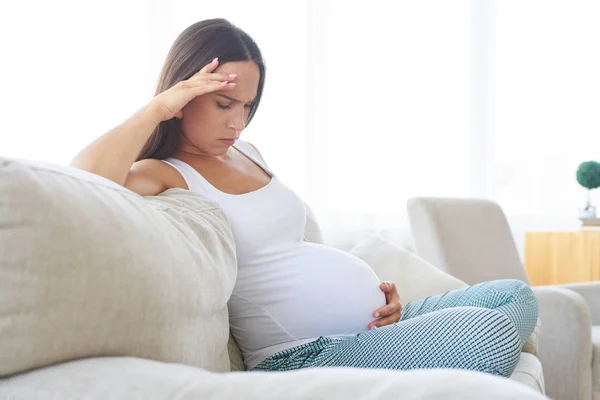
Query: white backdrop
<point x="366" y="104"/>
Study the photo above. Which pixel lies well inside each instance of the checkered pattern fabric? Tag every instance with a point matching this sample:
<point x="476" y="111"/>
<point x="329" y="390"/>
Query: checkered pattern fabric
<point x="481" y="327"/>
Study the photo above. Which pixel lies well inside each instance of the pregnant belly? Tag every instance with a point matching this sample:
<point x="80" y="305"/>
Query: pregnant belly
<point x="310" y="291"/>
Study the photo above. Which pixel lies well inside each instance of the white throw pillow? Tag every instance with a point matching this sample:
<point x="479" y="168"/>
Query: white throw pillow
<point x="89" y="268"/>
<point x="414" y="277"/>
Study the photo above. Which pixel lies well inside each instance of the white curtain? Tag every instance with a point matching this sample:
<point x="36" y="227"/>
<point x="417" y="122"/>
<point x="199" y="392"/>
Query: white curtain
<point x="366" y="104"/>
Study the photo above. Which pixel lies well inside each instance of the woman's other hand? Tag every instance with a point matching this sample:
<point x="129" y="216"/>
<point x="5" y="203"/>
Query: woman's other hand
<point x="392" y="311"/>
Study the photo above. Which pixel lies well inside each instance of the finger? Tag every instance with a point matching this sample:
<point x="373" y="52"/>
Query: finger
<point x="387" y="286"/>
<point x="221" y="77"/>
<point x="209" y="67"/>
<point x="384" y="321"/>
<point x="213" y="77"/>
<point x="387" y="310"/>
<point x="211" y="86"/>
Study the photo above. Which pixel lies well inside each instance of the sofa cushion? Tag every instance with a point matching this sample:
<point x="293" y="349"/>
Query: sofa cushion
<point x="414" y="277"/>
<point x="89" y="268"/>
<point x="529" y="372"/>
<point x="130" y="378"/>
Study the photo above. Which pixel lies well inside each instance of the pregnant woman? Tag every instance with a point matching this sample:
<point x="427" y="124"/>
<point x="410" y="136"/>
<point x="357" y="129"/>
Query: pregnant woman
<point x="295" y="304"/>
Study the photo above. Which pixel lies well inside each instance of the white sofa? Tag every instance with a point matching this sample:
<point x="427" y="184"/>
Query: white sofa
<point x="105" y="294"/>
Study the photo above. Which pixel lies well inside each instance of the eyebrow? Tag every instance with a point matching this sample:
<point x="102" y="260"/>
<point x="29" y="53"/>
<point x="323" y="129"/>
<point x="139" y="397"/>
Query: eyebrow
<point x="234" y="100"/>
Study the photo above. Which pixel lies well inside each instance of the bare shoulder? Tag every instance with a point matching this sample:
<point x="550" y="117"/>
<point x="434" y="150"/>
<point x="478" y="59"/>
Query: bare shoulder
<point x="254" y="147"/>
<point x="150" y="177"/>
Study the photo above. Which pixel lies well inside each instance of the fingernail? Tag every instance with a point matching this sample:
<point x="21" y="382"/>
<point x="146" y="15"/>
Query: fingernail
<point x="232" y="83"/>
<point x="232" y="75"/>
<point x="376" y="315"/>
<point x="215" y="60"/>
<point x="388" y="285"/>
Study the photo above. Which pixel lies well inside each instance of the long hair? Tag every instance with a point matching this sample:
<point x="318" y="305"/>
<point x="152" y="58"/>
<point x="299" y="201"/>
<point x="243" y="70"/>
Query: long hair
<point x="194" y="48"/>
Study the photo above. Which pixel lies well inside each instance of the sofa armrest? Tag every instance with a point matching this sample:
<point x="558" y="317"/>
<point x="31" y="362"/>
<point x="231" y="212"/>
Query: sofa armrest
<point x="565" y="343"/>
<point x="590" y="293"/>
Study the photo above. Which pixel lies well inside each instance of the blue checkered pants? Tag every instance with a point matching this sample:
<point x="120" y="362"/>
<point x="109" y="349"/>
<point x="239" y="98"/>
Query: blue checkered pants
<point x="481" y="327"/>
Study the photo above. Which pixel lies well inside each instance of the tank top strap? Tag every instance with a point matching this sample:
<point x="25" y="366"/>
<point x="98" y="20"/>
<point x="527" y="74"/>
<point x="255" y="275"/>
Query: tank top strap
<point x="195" y="182"/>
<point x="246" y="149"/>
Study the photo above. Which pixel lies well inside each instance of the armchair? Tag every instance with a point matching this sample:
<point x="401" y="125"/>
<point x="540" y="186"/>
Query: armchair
<point x="471" y="240"/>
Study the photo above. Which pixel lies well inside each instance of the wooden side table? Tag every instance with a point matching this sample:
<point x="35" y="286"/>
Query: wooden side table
<point x="562" y="257"/>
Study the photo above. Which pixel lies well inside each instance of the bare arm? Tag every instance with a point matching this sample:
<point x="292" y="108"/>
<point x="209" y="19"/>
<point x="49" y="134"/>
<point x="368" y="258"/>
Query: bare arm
<point x="113" y="154"/>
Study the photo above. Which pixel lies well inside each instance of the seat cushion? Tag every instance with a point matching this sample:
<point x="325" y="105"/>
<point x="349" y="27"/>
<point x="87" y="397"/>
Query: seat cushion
<point x="529" y="372"/>
<point x="131" y="378"/>
<point x="596" y="361"/>
<point x="89" y="268"/>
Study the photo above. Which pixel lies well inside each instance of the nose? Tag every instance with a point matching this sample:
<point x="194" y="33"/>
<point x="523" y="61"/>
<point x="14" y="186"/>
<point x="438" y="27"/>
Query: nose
<point x="237" y="120"/>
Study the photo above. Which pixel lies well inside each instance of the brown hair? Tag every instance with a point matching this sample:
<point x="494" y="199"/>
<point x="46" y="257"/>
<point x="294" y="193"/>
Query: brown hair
<point x="194" y="48"/>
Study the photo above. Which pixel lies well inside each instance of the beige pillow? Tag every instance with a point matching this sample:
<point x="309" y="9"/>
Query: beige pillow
<point x="89" y="268"/>
<point x="414" y="277"/>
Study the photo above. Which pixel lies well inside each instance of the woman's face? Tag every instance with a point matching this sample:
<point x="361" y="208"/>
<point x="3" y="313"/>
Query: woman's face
<point x="222" y="114"/>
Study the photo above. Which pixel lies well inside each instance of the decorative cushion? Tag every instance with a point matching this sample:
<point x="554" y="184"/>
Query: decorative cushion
<point x="89" y="268"/>
<point x="414" y="277"/>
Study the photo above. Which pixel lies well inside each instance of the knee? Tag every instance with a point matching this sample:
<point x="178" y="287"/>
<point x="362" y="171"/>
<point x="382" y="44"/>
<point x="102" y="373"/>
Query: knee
<point x="522" y="294"/>
<point x="493" y="345"/>
<point x="519" y="287"/>
<point x="515" y="287"/>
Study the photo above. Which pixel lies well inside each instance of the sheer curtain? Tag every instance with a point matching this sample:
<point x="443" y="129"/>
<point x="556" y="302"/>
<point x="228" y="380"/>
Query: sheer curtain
<point x="547" y="103"/>
<point x="547" y="110"/>
<point x="389" y="111"/>
<point x="70" y="70"/>
<point x="366" y="104"/>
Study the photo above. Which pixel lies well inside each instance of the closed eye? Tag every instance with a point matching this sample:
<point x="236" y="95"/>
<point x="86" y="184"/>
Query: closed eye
<point x="228" y="106"/>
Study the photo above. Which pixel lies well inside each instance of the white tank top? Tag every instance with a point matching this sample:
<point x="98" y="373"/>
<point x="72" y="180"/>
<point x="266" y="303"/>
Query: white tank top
<point x="288" y="292"/>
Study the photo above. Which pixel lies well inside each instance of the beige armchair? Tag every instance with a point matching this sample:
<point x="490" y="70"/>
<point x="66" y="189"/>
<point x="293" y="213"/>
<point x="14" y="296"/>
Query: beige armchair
<point x="471" y="240"/>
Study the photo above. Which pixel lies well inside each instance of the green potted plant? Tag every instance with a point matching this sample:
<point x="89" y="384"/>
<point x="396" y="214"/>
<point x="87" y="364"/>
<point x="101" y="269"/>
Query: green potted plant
<point x="588" y="176"/>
